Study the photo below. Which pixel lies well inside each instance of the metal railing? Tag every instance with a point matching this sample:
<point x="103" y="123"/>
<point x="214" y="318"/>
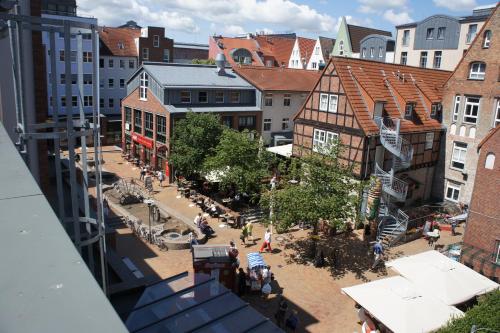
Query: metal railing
<point x="393" y="186"/>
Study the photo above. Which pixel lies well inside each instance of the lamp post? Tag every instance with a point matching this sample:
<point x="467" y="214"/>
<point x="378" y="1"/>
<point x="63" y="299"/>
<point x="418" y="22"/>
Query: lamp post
<point x="149" y="202"/>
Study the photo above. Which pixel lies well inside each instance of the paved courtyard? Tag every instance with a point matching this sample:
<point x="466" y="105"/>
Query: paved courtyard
<point x="314" y="292"/>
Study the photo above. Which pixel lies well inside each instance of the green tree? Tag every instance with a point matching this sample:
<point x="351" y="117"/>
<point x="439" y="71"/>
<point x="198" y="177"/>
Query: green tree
<point x="327" y="191"/>
<point x="241" y="162"/>
<point x="193" y="140"/>
<point x="203" y="61"/>
<point x="484" y="315"/>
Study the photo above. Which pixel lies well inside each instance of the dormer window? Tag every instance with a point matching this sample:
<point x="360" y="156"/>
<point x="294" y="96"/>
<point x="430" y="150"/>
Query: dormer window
<point x="430" y="33"/>
<point x="121" y="46"/>
<point x="143" y="87"/>
<point x="341" y="47"/>
<point x="477" y="71"/>
<point x="441" y="31"/>
<point x="436" y="110"/>
<point x="409" y="111"/>
<point x="487" y="39"/>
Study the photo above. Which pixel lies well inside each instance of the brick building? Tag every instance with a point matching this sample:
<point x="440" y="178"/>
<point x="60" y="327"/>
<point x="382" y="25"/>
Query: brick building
<point x="471" y="107"/>
<point x="161" y="94"/>
<point x="481" y="246"/>
<point x="154" y="46"/>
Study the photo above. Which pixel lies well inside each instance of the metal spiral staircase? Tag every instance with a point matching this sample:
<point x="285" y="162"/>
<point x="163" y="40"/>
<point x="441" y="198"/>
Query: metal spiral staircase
<point x="393" y="221"/>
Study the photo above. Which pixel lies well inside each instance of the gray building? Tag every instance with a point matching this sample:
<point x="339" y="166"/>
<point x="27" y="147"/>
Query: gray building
<point x="378" y="48"/>
<point x="185" y="53"/>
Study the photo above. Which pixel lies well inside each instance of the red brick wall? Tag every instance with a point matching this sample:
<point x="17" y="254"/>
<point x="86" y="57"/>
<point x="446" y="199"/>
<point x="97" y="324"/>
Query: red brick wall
<point x="156" y="53"/>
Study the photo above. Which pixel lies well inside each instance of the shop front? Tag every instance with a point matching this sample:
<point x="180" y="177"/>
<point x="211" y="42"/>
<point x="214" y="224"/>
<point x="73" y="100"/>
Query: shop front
<point x="142" y="148"/>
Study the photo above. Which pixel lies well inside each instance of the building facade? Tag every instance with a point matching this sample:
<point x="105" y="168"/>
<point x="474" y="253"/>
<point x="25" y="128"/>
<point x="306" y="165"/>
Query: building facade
<point x="321" y="53"/>
<point x="481" y="246"/>
<point x="349" y="37"/>
<point x="283" y="92"/>
<point x="471" y="105"/>
<point x="377" y="48"/>
<point x="302" y="51"/>
<point x="185" y="53"/>
<point x="438" y="41"/>
<point x="161" y="94"/>
<point x="153" y="45"/>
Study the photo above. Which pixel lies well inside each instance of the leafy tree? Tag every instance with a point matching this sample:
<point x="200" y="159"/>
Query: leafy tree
<point x="241" y="161"/>
<point x="203" y="61"/>
<point x="193" y="140"/>
<point x="327" y="191"/>
<point x="485" y="315"/>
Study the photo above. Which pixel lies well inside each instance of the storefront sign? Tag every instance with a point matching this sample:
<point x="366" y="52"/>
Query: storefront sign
<point x="148" y="143"/>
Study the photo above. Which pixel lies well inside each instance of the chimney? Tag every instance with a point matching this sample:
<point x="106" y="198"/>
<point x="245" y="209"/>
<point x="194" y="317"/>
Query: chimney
<point x="220" y="61"/>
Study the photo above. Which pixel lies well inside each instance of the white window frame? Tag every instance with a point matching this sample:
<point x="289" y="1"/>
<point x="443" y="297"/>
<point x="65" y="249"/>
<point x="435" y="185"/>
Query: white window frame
<point x="380" y="52"/>
<point x="471" y="35"/>
<point x="188" y="94"/>
<point x="166" y="55"/>
<point x="217" y="95"/>
<point x="456" y="108"/>
<point x="458" y="155"/>
<point x="430" y="33"/>
<point x="489" y="163"/>
<point x="429" y="140"/>
<point x="143" y="87"/>
<point x="156" y="41"/>
<point x="321" y="139"/>
<point x="404" y="56"/>
<point x="497" y="259"/>
<point x="496" y="121"/>
<point x="323" y="102"/>
<point x="88" y="100"/>
<point x="285" y="124"/>
<point x="438" y="57"/>
<point x="363" y="52"/>
<point x="333" y="103"/>
<point x="468" y="111"/>
<point x="406" y="37"/>
<point x="372" y="52"/>
<point x="267" y="121"/>
<point x="287" y="97"/>
<point x="475" y="72"/>
<point x="145" y="53"/>
<point x="423" y="55"/>
<point x="268" y="99"/>
<point x="87" y="56"/>
<point x="441" y="36"/>
<point x="454" y="188"/>
<point x="487" y="39"/>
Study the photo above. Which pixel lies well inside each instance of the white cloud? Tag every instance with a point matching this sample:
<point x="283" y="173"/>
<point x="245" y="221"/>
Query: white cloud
<point x="233" y="30"/>
<point x="397" y="18"/>
<point x="265" y="31"/>
<point x="372" y="6"/>
<point x="456" y="5"/>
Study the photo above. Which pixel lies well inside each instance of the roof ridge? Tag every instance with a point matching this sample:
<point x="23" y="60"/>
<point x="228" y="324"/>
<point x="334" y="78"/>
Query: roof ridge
<point x="360" y="26"/>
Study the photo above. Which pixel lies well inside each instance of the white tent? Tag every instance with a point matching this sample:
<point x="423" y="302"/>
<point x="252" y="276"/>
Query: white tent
<point x="397" y="304"/>
<point x="434" y="274"/>
<point x="284" y="150"/>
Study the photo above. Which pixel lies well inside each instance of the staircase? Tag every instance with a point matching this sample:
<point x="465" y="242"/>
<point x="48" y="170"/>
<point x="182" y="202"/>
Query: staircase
<point x="393" y="222"/>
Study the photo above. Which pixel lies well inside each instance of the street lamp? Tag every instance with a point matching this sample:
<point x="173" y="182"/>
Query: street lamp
<point x="150" y="203"/>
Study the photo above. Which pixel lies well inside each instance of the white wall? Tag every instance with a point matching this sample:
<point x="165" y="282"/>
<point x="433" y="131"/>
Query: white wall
<point x="295" y="59"/>
<point x="316" y="57"/>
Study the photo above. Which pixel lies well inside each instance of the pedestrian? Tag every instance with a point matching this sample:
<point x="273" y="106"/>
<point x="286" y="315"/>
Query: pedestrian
<point x="160" y="177"/>
<point x="233" y="254"/>
<point x="143" y="173"/>
<point x="292" y="321"/>
<point x="197" y="220"/>
<point x="453" y="228"/>
<point x="281" y="313"/>
<point x="249" y="227"/>
<point x="267" y="241"/>
<point x="242" y="282"/>
<point x="378" y="251"/>
<point x="244" y="234"/>
<point x="192" y="241"/>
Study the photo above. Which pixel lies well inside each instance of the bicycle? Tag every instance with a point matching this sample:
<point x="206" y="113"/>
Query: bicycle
<point x="162" y="245"/>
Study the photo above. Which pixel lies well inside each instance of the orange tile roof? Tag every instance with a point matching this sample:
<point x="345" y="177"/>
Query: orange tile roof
<point x="488" y="136"/>
<point x="306" y="46"/>
<point x="227" y="44"/>
<point x="393" y="84"/>
<point x="279" y="79"/>
<point x="112" y="37"/>
<point x="277" y="48"/>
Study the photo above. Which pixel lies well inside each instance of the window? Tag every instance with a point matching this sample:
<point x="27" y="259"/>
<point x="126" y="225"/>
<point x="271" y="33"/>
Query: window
<point x="166" y="55"/>
<point x="101" y="62"/>
<point x="111" y="83"/>
<point x="452" y="192"/>
<point x="458" y="155"/>
<point x="323" y="102"/>
<point x="380" y="52"/>
<point x="86" y="36"/>
<point x="341" y="47"/>
<point x="471" y="34"/>
<point x="316" y="50"/>
<point x="456" y="109"/>
<point x="404" y="58"/>
<point x="87" y="78"/>
<point x="235" y="97"/>
<point x="429" y="140"/>
<point x="101" y="83"/>
<point x="63" y="101"/>
<point x="148" y="124"/>
<point x="74" y="101"/>
<point x="145" y="53"/>
<point x="156" y="41"/>
<point x="285" y="124"/>
<point x="441" y="31"/>
<point x="287" y="99"/>
<point x="61" y="55"/>
<point x="143" y="86"/>
<point x="487" y="39"/>
<point x="477" y="71"/>
<point x="490" y="161"/>
<point x="409" y="111"/>
<point x="121" y="46"/>
<point x="87" y="56"/>
<point x="122" y="63"/>
<point x="227" y="121"/>
<point x="267" y="124"/>
<point x="268" y="100"/>
<point x="322" y="140"/>
<point x="128" y="114"/>
<point x="161" y="129"/>
<point x="314" y="65"/>
<point x="131" y="64"/>
<point x="111" y="63"/>
<point x="333" y="103"/>
<point x="111" y="103"/>
<point x="202" y="97"/>
<point x="88" y="101"/>
<point x="406" y="37"/>
<point x="101" y="104"/>
<point x="219" y="97"/>
<point x="497" y="254"/>
<point x="137" y="121"/>
<point x="423" y="59"/>
<point x="437" y="59"/>
<point x="185" y="97"/>
<point x="372" y="51"/>
<point x="435" y="108"/>
<point x="497" y="114"/>
<point x="122" y="83"/>
<point x="246" y="122"/>
<point x="471" y="110"/>
<point x="430" y="33"/>
<point x="363" y="52"/>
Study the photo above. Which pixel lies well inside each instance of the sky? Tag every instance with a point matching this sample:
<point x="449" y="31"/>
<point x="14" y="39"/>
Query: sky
<point x="195" y="20"/>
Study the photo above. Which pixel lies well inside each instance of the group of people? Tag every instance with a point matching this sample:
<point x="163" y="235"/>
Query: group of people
<point x="145" y="171"/>
<point x="202" y="223"/>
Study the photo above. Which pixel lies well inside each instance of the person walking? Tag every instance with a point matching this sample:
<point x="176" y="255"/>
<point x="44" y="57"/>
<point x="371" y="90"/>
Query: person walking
<point x="142" y="173"/>
<point x="244" y="234"/>
<point x="249" y="227"/>
<point x="378" y="251"/>
<point x="160" y="177"/>
<point x="267" y="241"/>
<point x="197" y="220"/>
<point x="242" y="282"/>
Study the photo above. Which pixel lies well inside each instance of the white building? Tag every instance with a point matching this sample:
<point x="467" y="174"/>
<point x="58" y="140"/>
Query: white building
<point x="439" y="41"/>
<point x="301" y="53"/>
<point x="321" y="52"/>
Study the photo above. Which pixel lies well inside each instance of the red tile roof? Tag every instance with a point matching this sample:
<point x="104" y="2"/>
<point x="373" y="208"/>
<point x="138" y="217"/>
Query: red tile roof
<point x="306" y="46"/>
<point x="393" y="84"/>
<point x="228" y="44"/>
<point x="488" y="136"/>
<point x="276" y="48"/>
<point x="113" y="38"/>
<point x="279" y="79"/>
